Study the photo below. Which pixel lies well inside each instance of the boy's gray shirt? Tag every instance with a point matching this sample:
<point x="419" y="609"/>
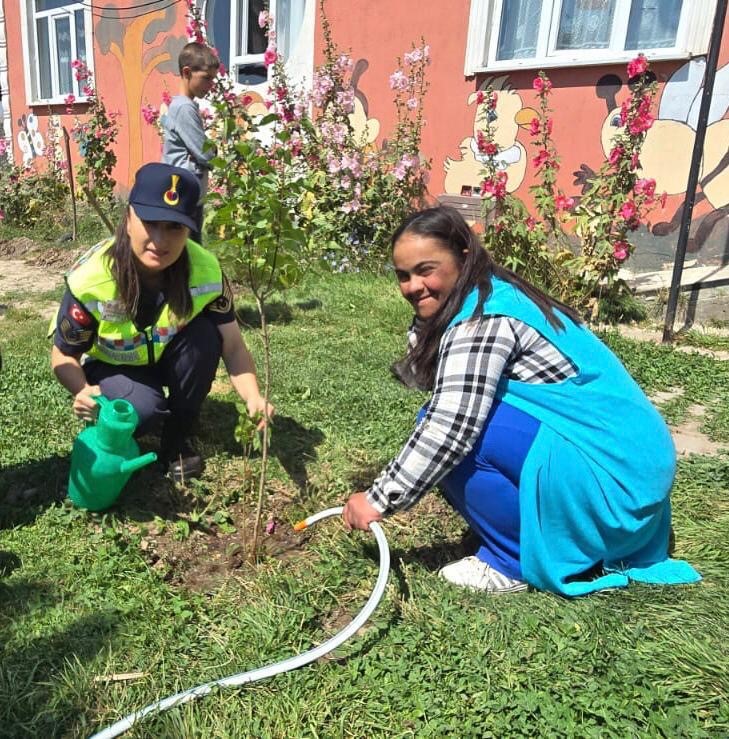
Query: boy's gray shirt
<point x="185" y="138"/>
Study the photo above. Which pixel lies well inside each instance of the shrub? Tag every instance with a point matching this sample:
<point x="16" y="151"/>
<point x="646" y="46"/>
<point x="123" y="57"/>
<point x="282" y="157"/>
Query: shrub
<point x="573" y="247"/>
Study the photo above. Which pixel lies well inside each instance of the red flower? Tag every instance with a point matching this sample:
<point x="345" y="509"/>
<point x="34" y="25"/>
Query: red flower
<point x="616" y="154"/>
<point x="562" y="202"/>
<point x="637" y="66"/>
<point x="628" y="211"/>
<point x="621" y="250"/>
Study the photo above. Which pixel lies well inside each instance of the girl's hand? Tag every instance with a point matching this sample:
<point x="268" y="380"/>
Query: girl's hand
<point x="84" y="406"/>
<point x="358" y="513"/>
<point x="258" y="405"/>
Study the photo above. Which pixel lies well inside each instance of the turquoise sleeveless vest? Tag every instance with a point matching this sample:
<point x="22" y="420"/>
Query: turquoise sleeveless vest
<point x="595" y="485"/>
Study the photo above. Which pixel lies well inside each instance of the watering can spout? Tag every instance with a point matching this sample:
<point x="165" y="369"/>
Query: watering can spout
<point x="132" y="465"/>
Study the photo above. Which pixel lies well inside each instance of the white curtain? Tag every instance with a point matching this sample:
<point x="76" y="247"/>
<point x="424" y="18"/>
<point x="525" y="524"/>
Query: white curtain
<point x="653" y="24"/>
<point x="289" y="18"/>
<point x="519" y="29"/>
<point x="585" y="24"/>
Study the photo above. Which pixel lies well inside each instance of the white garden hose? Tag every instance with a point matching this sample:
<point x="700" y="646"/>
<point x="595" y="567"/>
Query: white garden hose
<point x="276" y="668"/>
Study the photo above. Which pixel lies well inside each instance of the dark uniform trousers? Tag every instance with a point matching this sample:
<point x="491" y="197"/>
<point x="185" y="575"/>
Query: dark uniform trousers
<point x="187" y="368"/>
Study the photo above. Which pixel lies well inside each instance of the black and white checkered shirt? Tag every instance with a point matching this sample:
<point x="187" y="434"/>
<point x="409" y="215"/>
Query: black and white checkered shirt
<point x="473" y="357"/>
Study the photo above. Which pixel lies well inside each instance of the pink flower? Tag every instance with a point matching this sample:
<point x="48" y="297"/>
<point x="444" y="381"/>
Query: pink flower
<point x="270" y="56"/>
<point x="3" y="146"/>
<point x="263" y="19"/>
<point x="542" y="158"/>
<point x="640" y="123"/>
<point x="484" y="145"/>
<point x="412" y="103"/>
<point x="542" y="85"/>
<point x="87" y="91"/>
<point x="150" y="114"/>
<point x="495" y="187"/>
<point x="616" y="154"/>
<point x="398" y="80"/>
<point x="166" y="97"/>
<point x="534" y="126"/>
<point x="413" y="56"/>
<point x="637" y="66"/>
<point x="271" y="524"/>
<point x="628" y="211"/>
<point x="480" y="97"/>
<point x="562" y="202"/>
<point x="531" y="223"/>
<point x="634" y="161"/>
<point x="69" y="100"/>
<point x="645" y="187"/>
<point x="621" y="249"/>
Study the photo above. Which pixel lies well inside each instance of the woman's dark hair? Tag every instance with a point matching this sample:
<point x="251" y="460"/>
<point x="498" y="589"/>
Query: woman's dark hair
<point x="175" y="279"/>
<point x="447" y="226"/>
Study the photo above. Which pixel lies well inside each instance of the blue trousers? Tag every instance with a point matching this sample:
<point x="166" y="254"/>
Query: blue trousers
<point x="187" y="368"/>
<point x="484" y="487"/>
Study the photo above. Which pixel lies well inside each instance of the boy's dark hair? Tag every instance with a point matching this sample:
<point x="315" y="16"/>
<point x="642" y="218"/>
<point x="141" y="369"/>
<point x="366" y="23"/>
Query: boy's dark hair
<point x="198" y="57"/>
<point x="477" y="267"/>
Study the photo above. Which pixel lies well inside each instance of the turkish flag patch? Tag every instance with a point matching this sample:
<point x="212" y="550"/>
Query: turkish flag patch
<point x="79" y="315"/>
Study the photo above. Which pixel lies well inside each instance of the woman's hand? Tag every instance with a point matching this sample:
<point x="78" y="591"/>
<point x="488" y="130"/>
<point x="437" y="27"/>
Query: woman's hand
<point x="358" y="513"/>
<point x="84" y="405"/>
<point x="258" y="405"/>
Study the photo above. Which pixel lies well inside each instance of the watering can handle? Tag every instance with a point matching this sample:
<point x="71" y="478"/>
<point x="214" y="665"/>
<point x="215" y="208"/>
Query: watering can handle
<point x="101" y="400"/>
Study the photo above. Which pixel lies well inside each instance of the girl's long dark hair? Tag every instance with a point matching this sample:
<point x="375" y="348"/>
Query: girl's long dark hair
<point x="477" y="267"/>
<point x="124" y="268"/>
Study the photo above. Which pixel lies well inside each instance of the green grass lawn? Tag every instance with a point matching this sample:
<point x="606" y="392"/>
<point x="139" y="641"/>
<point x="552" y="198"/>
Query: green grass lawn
<point x="82" y="599"/>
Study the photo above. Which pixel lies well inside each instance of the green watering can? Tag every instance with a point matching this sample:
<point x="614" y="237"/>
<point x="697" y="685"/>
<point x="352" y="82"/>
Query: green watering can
<point x="105" y="455"/>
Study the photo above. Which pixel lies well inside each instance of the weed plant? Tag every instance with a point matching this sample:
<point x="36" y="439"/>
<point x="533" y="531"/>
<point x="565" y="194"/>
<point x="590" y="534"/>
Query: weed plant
<point x="80" y="601"/>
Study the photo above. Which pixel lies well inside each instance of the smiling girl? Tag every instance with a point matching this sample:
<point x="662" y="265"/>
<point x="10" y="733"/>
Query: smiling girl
<point x="149" y="310"/>
<point x="535" y="432"/>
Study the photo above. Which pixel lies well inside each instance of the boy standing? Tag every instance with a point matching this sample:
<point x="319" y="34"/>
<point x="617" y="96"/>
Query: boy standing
<point x="184" y="144"/>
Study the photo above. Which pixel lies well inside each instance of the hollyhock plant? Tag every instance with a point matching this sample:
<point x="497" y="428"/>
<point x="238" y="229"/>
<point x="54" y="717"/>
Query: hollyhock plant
<point x="576" y="246"/>
<point x="95" y="133"/>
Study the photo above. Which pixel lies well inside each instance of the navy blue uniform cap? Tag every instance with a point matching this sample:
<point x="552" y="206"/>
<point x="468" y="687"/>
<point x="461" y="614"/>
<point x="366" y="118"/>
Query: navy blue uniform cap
<point x="162" y="192"/>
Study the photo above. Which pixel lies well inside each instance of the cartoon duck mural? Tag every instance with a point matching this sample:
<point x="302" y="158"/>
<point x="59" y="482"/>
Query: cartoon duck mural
<point x="465" y="174"/>
<point x="668" y="146"/>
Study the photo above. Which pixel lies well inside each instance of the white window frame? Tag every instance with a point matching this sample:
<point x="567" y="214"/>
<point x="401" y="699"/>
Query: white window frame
<point x="300" y="60"/>
<point x="239" y="32"/>
<point x="692" y="38"/>
<point x="29" y="15"/>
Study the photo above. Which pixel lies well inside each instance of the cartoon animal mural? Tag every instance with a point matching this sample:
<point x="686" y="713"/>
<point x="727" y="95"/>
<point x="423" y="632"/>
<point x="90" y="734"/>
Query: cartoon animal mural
<point x="668" y="146"/>
<point x="131" y="42"/>
<point x="30" y="139"/>
<point x="465" y="174"/>
<point x="366" y="129"/>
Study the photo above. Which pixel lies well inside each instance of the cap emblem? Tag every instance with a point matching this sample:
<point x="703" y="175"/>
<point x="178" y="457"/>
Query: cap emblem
<point x="172" y="197"/>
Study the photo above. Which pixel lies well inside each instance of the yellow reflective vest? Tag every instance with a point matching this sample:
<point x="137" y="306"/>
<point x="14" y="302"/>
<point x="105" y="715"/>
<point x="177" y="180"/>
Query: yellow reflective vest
<point x="118" y="340"/>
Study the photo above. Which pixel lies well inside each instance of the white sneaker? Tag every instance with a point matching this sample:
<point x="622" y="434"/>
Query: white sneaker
<point x="471" y="572"/>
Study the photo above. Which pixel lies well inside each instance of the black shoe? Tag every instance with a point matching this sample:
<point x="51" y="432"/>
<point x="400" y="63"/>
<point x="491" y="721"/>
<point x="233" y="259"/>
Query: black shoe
<point x="185" y="465"/>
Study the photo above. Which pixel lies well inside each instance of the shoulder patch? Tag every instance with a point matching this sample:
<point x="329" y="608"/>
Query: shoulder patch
<point x="223" y="303"/>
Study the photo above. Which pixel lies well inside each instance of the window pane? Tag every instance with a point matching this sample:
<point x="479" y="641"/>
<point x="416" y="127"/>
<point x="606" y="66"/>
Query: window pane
<point x="652" y="28"/>
<point x="44" y="58"/>
<point x="585" y="24"/>
<point x="290" y="17"/>
<point x="217" y="14"/>
<point x="80" y="35"/>
<point x="251" y="74"/>
<point x="256" y="42"/>
<point x="519" y="29"/>
<point x="63" y="55"/>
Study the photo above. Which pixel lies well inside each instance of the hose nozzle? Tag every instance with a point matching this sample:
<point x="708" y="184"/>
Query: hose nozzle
<point x="300" y="525"/>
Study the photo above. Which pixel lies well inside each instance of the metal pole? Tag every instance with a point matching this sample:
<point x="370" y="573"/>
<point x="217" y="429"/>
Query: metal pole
<point x="693" y="178"/>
